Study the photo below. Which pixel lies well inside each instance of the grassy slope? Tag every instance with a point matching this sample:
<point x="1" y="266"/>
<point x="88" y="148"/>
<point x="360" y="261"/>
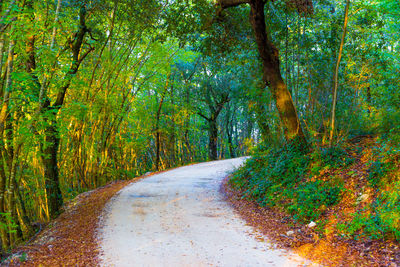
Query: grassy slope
<point x="351" y="194"/>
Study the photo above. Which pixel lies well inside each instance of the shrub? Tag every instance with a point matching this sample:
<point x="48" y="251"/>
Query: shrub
<point x="280" y="178"/>
<point x="312" y="199"/>
<point x="386" y="158"/>
<point x="329" y="157"/>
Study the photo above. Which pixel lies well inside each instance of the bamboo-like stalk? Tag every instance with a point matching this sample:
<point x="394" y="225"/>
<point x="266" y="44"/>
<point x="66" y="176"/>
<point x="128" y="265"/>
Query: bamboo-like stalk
<point x="336" y="82"/>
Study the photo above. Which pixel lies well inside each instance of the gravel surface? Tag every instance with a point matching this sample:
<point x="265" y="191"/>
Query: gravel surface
<point x="179" y="218"/>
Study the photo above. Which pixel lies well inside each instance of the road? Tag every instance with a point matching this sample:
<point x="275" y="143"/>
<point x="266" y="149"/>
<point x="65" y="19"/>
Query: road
<point x="179" y="218"/>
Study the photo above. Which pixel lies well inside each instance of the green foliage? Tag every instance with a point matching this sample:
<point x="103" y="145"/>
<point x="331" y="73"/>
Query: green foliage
<point x="23" y="257"/>
<point x="383" y="220"/>
<point x="281" y="177"/>
<point x="8" y="223"/>
<point x="386" y="158"/>
<point x="312" y="198"/>
<point x="329" y="157"/>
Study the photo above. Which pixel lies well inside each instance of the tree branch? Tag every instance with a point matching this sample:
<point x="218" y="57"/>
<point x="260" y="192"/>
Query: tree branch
<point x="203" y="116"/>
<point x="220" y="105"/>
<point x="3" y="24"/>
<point x="231" y="3"/>
<point x="77" y="59"/>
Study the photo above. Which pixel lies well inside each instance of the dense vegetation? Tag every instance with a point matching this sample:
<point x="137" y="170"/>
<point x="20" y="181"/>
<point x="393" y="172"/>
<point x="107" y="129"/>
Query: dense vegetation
<point x="96" y="91"/>
<point x="347" y="177"/>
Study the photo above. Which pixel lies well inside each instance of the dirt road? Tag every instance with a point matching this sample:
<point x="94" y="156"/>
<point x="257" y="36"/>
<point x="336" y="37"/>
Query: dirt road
<point x="179" y="218"/>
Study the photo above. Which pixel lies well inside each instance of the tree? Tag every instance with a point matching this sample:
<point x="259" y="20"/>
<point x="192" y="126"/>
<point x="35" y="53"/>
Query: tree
<point x="272" y="77"/>
<point x="49" y="146"/>
<point x="339" y="58"/>
<point x="214" y="94"/>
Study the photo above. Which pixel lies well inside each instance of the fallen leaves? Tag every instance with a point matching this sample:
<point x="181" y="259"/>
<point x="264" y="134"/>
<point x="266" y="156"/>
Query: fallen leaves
<point x="70" y="240"/>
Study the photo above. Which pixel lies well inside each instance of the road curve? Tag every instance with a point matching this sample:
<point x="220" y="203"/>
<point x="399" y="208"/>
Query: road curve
<point x="179" y="218"/>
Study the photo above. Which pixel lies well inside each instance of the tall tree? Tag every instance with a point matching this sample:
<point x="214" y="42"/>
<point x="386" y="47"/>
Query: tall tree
<point x="335" y="81"/>
<point x="272" y="77"/>
<point x="215" y="102"/>
<point x="49" y="146"/>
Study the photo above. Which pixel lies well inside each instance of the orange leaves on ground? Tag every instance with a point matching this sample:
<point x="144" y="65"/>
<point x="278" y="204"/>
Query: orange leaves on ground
<point x="70" y="240"/>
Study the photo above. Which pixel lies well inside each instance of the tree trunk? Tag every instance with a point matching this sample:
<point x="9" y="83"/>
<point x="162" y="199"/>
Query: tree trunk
<point x="5" y="123"/>
<point x="229" y="132"/>
<point x="157" y="129"/>
<point x="43" y="89"/>
<point x="186" y="147"/>
<point x="261" y="115"/>
<point x="3" y="232"/>
<point x="172" y="137"/>
<point x="11" y="209"/>
<point x="24" y="221"/>
<point x="49" y="150"/>
<point x="286" y="49"/>
<point x="2" y="50"/>
<point x="298" y="63"/>
<point x="272" y="75"/>
<point x="4" y="115"/>
<point x="212" y="139"/>
<point x="49" y="147"/>
<point x="335" y="89"/>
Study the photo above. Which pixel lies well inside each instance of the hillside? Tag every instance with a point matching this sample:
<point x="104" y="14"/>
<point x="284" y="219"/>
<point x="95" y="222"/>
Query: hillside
<point x="335" y="206"/>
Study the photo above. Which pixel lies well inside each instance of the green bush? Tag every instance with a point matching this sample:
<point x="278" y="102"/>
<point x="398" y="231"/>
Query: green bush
<point x="280" y="178"/>
<point x="377" y="170"/>
<point x="386" y="160"/>
<point x="312" y="198"/>
<point x="329" y="157"/>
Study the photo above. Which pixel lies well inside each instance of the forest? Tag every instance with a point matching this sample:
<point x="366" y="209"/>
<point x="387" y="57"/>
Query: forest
<point x="97" y="91"/>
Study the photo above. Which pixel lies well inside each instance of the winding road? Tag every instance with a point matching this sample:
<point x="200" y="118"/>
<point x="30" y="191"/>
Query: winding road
<point x="179" y="218"/>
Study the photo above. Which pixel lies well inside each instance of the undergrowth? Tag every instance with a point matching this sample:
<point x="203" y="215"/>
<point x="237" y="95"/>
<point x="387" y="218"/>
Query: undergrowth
<point x="285" y="178"/>
<point x="381" y="218"/>
<point x="307" y="184"/>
